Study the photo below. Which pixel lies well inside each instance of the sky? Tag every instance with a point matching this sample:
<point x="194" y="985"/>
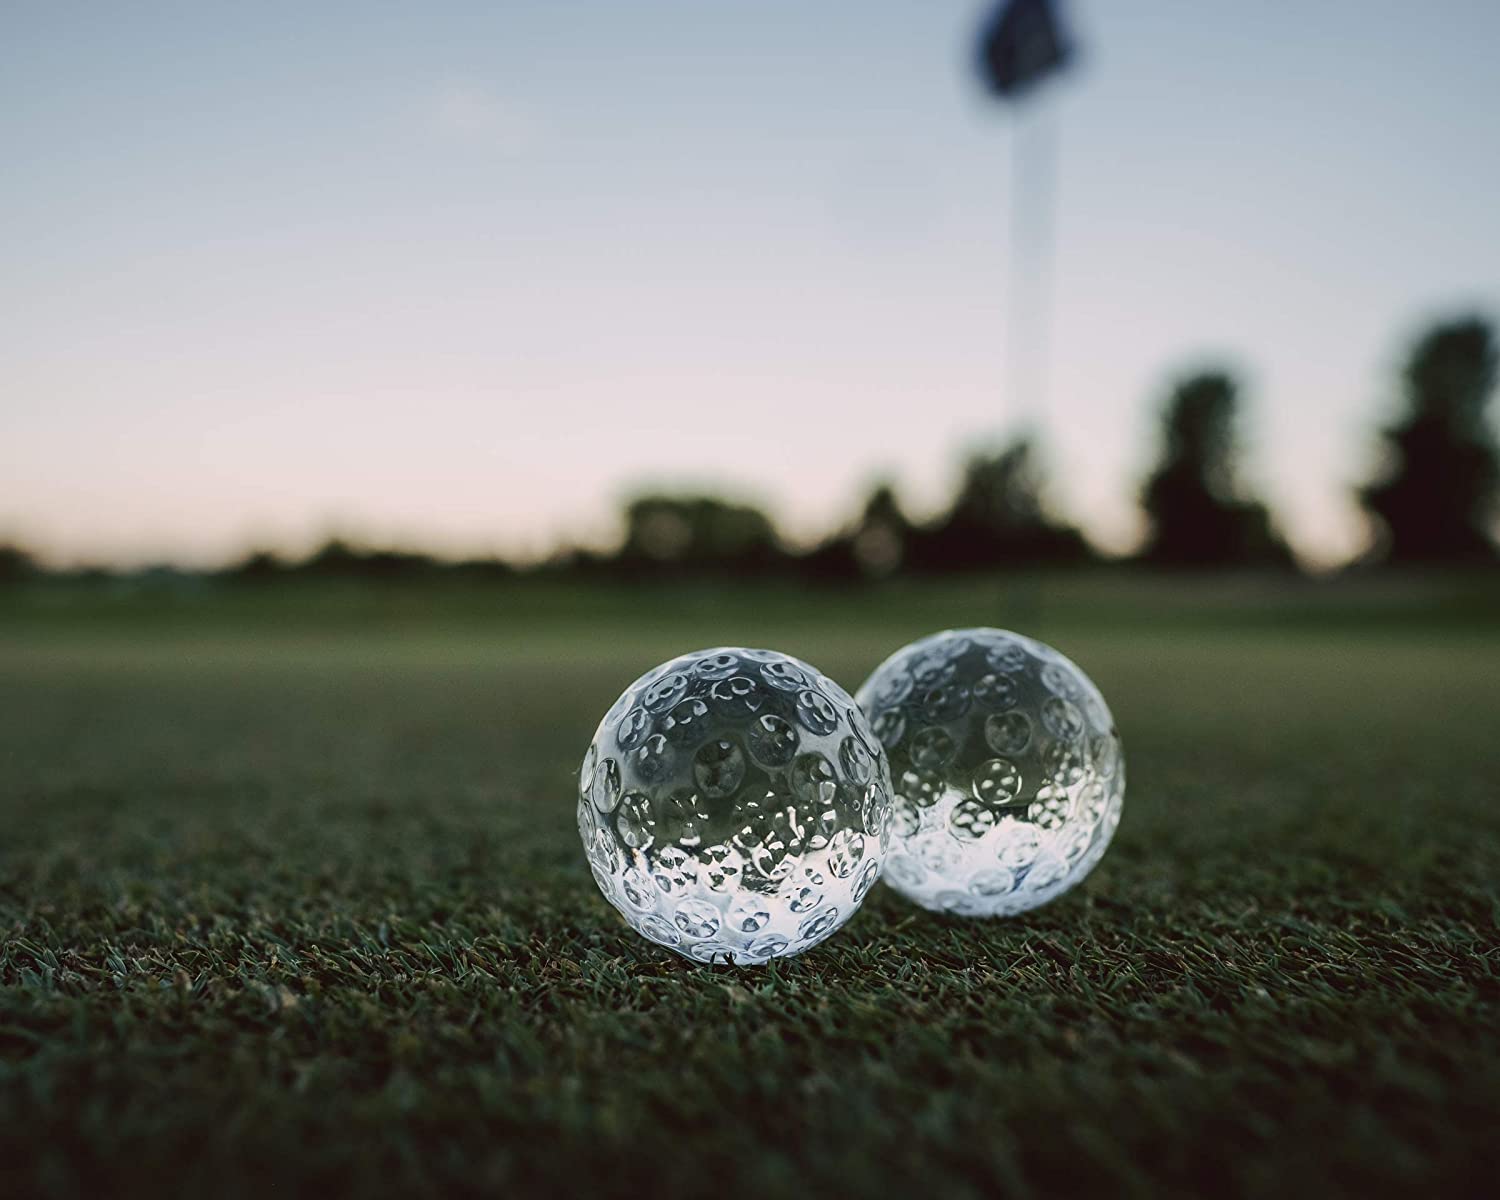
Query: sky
<point x="465" y="275"/>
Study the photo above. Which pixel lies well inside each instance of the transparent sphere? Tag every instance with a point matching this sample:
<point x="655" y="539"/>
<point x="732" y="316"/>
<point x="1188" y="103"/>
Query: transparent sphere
<point x="1007" y="769"/>
<point x="735" y="805"/>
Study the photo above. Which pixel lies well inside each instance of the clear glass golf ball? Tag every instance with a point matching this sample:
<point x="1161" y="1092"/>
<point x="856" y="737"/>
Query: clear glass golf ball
<point x="1007" y="769"/>
<point x="735" y="805"/>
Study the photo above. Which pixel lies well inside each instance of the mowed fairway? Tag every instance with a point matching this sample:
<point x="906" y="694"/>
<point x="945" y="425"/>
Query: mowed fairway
<point x="301" y="906"/>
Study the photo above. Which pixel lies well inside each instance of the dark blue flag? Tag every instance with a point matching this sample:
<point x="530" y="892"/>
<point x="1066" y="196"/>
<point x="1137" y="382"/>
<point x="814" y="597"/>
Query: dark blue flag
<point x="1023" y="43"/>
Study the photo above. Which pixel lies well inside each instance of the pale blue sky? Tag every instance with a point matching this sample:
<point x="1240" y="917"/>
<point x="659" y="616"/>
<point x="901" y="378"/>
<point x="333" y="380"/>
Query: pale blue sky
<point x="464" y="274"/>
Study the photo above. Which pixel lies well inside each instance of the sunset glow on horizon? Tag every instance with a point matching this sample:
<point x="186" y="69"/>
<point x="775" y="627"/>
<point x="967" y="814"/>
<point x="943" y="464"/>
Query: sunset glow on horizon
<point x="464" y="276"/>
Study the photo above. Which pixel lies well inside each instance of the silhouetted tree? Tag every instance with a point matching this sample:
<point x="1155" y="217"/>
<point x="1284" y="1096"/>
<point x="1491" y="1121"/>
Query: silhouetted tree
<point x="1200" y="515"/>
<point x="15" y="565"/>
<point x="337" y="559"/>
<point x="1435" y="499"/>
<point x="830" y="561"/>
<point x="577" y="563"/>
<point x="485" y="569"/>
<point x="334" y="558"/>
<point x="882" y="534"/>
<point x="871" y="547"/>
<point x="698" y="535"/>
<point x="998" y="518"/>
<point x="259" y="566"/>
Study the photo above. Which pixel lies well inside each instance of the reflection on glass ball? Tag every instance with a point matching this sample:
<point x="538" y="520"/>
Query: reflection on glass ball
<point x="735" y="805"/>
<point x="1007" y="770"/>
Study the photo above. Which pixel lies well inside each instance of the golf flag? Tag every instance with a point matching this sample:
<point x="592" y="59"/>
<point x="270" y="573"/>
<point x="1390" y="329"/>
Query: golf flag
<point x="1023" y="44"/>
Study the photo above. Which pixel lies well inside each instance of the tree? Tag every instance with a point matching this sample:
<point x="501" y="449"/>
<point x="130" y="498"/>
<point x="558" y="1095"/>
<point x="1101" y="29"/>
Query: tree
<point x="698" y="535"/>
<point x="16" y="564"/>
<point x="259" y="566"/>
<point x="1199" y="512"/>
<point x="1434" y="500"/>
<point x="998" y="518"/>
<point x="338" y="559"/>
<point x="880" y="536"/>
<point x="873" y="546"/>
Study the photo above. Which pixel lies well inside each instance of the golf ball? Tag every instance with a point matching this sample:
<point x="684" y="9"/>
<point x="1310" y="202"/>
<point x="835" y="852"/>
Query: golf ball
<point x="735" y="805"/>
<point x="1007" y="769"/>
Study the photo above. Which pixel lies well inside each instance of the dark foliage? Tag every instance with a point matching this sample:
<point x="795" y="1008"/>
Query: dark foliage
<point x="259" y="566"/>
<point x="338" y="559"/>
<point x="1435" y="500"/>
<point x="873" y="547"/>
<point x="15" y="565"/>
<point x="698" y="535"/>
<point x="480" y="569"/>
<point x="998" y="518"/>
<point x="1200" y="515"/>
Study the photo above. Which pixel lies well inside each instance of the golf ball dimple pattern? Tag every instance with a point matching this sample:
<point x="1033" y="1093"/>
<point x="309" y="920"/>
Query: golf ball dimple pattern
<point x="735" y="805"/>
<point x="1006" y="766"/>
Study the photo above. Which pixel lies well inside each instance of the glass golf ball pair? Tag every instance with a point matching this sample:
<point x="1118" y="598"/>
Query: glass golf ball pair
<point x="737" y="805"/>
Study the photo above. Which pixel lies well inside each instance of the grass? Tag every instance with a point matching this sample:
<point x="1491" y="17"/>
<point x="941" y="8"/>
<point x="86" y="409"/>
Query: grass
<point x="297" y="903"/>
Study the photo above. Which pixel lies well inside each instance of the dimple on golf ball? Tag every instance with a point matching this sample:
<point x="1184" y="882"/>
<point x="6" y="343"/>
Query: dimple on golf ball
<point x="735" y="805"/>
<point x="1007" y="770"/>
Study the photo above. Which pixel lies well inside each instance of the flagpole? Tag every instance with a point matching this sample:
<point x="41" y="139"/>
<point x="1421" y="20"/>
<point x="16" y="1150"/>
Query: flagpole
<point x="1022" y="44"/>
<point x="1033" y="190"/>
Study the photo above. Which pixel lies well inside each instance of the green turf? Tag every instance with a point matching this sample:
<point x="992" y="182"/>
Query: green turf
<point x="287" y="907"/>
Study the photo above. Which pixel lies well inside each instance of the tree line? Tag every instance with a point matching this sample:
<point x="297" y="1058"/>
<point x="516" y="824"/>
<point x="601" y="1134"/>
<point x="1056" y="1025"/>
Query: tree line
<point x="1433" y="499"/>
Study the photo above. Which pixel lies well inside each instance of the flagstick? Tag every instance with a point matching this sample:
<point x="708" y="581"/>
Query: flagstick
<point x="1033" y="190"/>
<point x="1033" y="187"/>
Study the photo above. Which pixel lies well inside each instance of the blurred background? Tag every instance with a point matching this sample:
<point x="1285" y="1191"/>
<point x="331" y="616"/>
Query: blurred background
<point x="620" y="292"/>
